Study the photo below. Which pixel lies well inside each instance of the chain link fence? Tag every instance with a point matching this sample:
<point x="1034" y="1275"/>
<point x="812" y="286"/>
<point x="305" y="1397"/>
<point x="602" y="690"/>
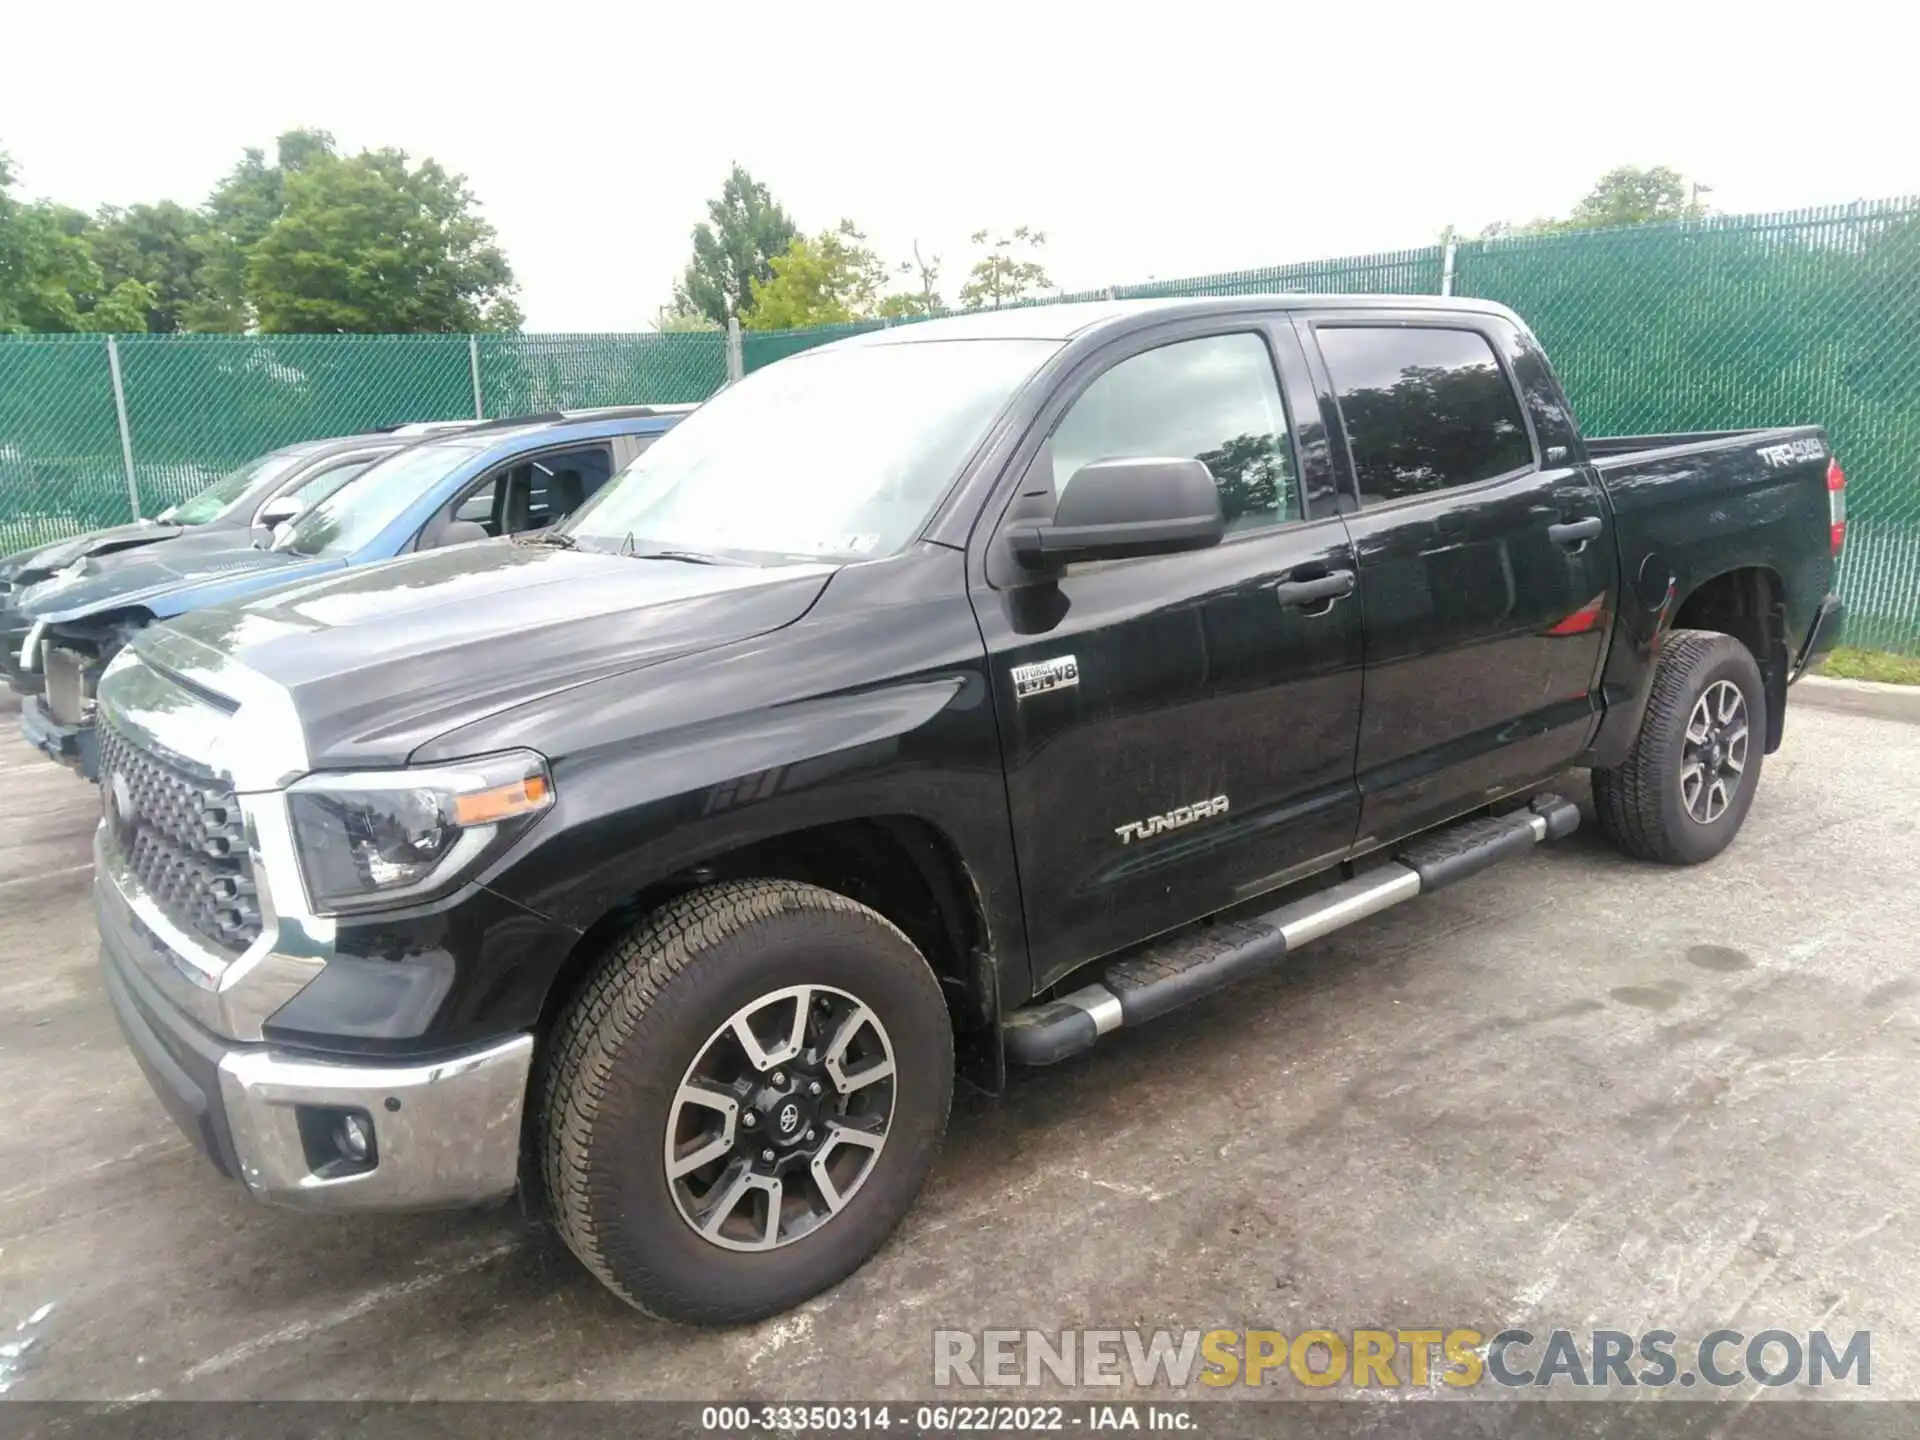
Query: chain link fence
<point x="1804" y="318"/>
<point x="1809" y="317"/>
<point x="198" y="405"/>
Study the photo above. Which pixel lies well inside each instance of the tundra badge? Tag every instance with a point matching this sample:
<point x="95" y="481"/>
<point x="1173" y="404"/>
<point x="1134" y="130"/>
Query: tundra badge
<point x="1044" y="675"/>
<point x="1173" y="820"/>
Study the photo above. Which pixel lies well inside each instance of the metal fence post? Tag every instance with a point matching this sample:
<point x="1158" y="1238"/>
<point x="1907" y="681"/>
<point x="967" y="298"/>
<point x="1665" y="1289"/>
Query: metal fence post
<point x="1446" y="268"/>
<point x="126" y="435"/>
<point x="736" y="356"/>
<point x="473" y="369"/>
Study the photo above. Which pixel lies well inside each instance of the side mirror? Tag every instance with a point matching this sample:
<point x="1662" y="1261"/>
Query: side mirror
<point x="1119" y="509"/>
<point x="282" y="535"/>
<point x="278" y="511"/>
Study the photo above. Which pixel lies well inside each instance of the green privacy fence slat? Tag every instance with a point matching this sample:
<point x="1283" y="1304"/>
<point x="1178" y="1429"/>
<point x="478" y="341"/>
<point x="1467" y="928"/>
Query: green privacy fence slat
<point x="1812" y="316"/>
<point x="1804" y="318"/>
<point x="197" y="405"/>
<point x="1395" y="272"/>
<point x="525" y="374"/>
<point x="763" y="347"/>
<point x="60" y="464"/>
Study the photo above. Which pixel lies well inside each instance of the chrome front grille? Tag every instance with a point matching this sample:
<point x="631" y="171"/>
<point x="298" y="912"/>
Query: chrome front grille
<point x="184" y="837"/>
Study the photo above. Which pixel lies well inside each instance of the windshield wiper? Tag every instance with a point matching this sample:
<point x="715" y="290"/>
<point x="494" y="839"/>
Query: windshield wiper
<point x="690" y="557"/>
<point x="554" y="538"/>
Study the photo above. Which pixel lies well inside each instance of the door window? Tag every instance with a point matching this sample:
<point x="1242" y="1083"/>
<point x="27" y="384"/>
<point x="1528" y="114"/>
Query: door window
<point x="532" y="494"/>
<point x="1424" y="409"/>
<point x="1216" y="400"/>
<point x="312" y="491"/>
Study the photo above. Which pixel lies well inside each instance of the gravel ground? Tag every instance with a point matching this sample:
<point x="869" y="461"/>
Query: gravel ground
<point x="1573" y="1091"/>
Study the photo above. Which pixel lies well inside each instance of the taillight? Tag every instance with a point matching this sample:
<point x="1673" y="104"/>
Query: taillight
<point x="1836" y="505"/>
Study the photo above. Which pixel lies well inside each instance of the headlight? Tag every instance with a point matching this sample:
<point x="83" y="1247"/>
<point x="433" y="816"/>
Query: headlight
<point x="379" y="837"/>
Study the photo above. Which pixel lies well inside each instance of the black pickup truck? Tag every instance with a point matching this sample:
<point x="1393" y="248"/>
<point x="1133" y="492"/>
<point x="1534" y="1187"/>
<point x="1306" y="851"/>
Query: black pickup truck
<point x="945" y="698"/>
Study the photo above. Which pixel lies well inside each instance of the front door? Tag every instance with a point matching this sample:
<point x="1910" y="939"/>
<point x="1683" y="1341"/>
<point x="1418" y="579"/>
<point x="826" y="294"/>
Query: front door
<point x="1179" y="730"/>
<point x="1486" y="561"/>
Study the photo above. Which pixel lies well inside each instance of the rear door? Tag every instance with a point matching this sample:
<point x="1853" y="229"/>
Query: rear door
<point x="1486" y="560"/>
<point x="1178" y="731"/>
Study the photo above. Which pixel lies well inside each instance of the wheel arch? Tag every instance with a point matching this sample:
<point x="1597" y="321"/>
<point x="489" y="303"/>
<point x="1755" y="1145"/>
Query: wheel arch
<point x="1749" y="604"/>
<point x="902" y="866"/>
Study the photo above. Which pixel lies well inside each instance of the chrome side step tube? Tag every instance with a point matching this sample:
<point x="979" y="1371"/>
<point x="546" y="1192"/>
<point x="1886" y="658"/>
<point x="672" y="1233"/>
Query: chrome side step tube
<point x="1168" y="973"/>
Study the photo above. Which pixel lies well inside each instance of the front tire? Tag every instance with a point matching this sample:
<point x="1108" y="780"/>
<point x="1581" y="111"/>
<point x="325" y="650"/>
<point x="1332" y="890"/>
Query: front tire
<point x="743" y="1101"/>
<point x="1689" y="780"/>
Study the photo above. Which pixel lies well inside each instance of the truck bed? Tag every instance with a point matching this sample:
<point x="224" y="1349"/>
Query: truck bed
<point x="1715" y="502"/>
<point x="1607" y="451"/>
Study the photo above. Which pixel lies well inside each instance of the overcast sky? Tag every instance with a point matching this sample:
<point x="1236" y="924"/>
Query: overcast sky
<point x="1146" y="140"/>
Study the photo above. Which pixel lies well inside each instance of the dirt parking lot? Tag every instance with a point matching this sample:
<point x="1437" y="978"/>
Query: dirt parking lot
<point x="1572" y="1091"/>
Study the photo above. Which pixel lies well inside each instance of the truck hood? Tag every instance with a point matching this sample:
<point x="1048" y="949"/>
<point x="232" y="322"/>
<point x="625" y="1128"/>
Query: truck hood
<point x="27" y="567"/>
<point x="381" y="659"/>
<point x="161" y="578"/>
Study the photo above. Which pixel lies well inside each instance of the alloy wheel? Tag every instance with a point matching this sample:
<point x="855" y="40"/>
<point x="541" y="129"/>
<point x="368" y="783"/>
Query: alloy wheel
<point x="1714" y="755"/>
<point x="780" y="1118"/>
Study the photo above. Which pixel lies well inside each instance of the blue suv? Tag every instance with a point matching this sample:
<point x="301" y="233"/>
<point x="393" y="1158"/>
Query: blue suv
<point x="500" y="478"/>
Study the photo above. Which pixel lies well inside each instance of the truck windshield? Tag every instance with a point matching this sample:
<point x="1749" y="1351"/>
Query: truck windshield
<point x="839" y="454"/>
<point x="219" y="497"/>
<point x="349" y="519"/>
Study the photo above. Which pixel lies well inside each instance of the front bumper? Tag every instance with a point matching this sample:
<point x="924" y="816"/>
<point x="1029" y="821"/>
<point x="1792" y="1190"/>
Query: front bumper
<point x="75" y="746"/>
<point x="445" y="1130"/>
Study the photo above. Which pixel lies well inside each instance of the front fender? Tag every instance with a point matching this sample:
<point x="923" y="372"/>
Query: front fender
<point x="875" y="708"/>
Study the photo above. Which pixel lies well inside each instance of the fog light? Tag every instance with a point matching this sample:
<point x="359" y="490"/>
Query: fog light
<point x="354" y="1136"/>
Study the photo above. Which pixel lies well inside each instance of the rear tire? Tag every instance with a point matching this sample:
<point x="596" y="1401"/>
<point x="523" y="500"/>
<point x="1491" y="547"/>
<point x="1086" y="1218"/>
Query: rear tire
<point x="680" y="1036"/>
<point x="1687" y="784"/>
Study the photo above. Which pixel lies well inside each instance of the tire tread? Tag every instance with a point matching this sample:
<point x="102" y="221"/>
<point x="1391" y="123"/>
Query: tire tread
<point x="1627" y="798"/>
<point x="601" y="1019"/>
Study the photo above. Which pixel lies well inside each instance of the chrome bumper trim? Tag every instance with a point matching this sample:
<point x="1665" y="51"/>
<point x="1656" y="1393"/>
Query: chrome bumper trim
<point x="446" y="1133"/>
<point x="231" y="996"/>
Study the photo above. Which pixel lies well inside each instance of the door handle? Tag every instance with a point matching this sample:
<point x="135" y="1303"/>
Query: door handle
<point x="1293" y="593"/>
<point x="1575" y="532"/>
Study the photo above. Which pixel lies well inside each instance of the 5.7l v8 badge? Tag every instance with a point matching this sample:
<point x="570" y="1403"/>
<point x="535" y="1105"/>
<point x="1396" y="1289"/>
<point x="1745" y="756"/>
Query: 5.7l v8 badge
<point x="1038" y="678"/>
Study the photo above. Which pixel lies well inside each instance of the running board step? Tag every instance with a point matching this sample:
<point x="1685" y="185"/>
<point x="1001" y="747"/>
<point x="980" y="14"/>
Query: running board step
<point x="1171" y="972"/>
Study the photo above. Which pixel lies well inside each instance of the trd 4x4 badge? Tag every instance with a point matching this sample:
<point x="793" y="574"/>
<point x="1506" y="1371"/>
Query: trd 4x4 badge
<point x="1044" y="675"/>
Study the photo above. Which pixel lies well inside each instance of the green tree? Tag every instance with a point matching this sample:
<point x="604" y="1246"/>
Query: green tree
<point x="1629" y="196"/>
<point x="733" y="249"/>
<point x="156" y="246"/>
<point x="1002" y="275"/>
<point x="242" y="208"/>
<point x="49" y="281"/>
<point x="1624" y="195"/>
<point x="920" y="302"/>
<point x="371" y="244"/>
<point x="123" y="310"/>
<point x="669" y="320"/>
<point x="828" y="280"/>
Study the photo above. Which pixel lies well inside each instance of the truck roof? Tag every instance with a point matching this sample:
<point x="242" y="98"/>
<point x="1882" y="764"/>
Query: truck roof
<point x="591" y="423"/>
<point x="1064" y="321"/>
